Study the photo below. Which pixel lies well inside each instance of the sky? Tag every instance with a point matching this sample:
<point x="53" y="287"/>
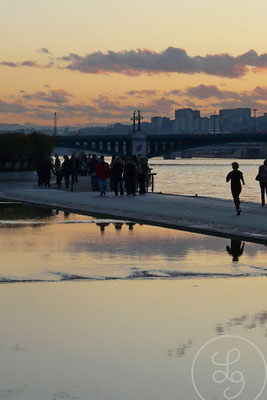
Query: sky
<point x="95" y="62"/>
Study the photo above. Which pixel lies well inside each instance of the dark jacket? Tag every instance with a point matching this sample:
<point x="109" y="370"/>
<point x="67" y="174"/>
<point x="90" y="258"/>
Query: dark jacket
<point x="66" y="166"/>
<point x="130" y="171"/>
<point x="92" y="164"/>
<point x="262" y="174"/>
<point x="116" y="171"/>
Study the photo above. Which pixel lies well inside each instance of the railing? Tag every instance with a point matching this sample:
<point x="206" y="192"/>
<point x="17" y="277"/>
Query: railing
<point x="150" y="181"/>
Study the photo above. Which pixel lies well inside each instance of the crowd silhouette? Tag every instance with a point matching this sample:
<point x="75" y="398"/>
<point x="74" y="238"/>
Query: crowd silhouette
<point x="130" y="176"/>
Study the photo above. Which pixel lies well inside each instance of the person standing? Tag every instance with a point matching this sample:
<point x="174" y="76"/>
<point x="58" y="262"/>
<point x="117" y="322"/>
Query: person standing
<point x="57" y="163"/>
<point x="74" y="163"/>
<point x="262" y="178"/>
<point x="102" y="173"/>
<point x="40" y="170"/>
<point x="116" y="173"/>
<point x="66" y="167"/>
<point x="236" y="177"/>
<point x="130" y="175"/>
<point x="47" y="168"/>
<point x="143" y="171"/>
<point x="92" y="171"/>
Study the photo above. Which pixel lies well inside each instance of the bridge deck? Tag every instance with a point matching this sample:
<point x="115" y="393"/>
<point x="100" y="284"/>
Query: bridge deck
<point x="204" y="215"/>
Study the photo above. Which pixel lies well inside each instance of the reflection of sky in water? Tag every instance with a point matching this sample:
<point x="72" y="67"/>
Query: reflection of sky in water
<point x="53" y="245"/>
<point x="121" y="340"/>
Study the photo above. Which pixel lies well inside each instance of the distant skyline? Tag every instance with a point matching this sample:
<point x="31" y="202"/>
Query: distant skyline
<point x="95" y="63"/>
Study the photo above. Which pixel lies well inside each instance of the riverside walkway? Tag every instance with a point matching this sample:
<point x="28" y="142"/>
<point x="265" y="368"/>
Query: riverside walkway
<point x="197" y="214"/>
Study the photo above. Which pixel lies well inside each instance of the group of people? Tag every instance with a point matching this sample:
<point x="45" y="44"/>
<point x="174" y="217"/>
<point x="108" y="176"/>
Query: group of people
<point x="46" y="165"/>
<point x="236" y="178"/>
<point x="124" y="175"/>
<point x="130" y="175"/>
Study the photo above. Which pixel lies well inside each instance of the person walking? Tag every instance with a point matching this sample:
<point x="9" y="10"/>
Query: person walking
<point x="103" y="173"/>
<point x="130" y="175"/>
<point x="116" y="173"/>
<point x="262" y="179"/>
<point x="236" y="177"/>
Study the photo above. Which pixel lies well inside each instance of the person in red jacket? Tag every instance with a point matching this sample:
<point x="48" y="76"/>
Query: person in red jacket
<point x="103" y="173"/>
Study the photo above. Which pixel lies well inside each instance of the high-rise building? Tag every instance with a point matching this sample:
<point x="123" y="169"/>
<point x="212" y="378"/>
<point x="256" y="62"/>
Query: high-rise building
<point x="236" y="119"/>
<point x="160" y="124"/>
<point x="185" y="120"/>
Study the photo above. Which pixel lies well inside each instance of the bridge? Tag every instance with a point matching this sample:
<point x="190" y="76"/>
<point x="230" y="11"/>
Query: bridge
<point x="157" y="145"/>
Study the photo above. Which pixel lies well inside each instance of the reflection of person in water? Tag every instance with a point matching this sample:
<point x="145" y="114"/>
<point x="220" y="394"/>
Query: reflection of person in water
<point x="236" y="249"/>
<point x="102" y="226"/>
<point x="130" y="225"/>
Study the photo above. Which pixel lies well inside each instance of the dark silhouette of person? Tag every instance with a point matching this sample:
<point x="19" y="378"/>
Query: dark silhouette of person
<point x="262" y="178"/>
<point x="58" y="171"/>
<point x="236" y="177"/>
<point x="39" y="169"/>
<point x="116" y="173"/>
<point x="46" y="168"/>
<point x="75" y="165"/>
<point x="57" y="163"/>
<point x="92" y="171"/>
<point x="66" y="167"/>
<point x="235" y="249"/>
<point x="143" y="171"/>
<point x="130" y="175"/>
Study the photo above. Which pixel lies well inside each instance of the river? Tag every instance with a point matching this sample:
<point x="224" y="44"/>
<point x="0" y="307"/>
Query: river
<point x="206" y="177"/>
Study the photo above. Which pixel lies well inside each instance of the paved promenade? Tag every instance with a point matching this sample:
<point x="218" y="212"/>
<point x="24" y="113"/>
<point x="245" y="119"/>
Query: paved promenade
<point x="199" y="214"/>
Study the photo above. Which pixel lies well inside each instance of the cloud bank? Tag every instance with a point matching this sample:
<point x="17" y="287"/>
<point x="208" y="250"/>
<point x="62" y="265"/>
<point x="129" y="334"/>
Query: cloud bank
<point x="144" y="61"/>
<point x="171" y="60"/>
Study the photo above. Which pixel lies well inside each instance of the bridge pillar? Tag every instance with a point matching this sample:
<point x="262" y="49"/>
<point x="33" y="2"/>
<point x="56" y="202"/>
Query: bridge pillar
<point x="139" y="144"/>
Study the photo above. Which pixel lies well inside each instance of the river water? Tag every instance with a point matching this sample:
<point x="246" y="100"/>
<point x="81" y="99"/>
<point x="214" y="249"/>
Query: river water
<point x="45" y="245"/>
<point x="110" y="310"/>
<point x="206" y="177"/>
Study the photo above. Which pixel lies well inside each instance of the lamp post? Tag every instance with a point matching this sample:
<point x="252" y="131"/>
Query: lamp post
<point x="255" y="117"/>
<point x="55" y="124"/>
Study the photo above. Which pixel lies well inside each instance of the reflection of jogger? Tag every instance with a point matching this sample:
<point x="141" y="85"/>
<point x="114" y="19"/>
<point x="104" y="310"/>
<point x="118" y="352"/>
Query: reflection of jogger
<point x="236" y="249"/>
<point x="236" y="177"/>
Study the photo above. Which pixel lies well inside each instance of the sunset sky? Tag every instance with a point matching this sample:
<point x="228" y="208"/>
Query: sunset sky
<point x="95" y="62"/>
